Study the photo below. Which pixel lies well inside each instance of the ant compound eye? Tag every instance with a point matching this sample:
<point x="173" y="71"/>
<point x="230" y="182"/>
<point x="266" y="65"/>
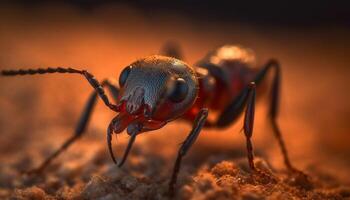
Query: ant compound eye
<point x="124" y="76"/>
<point x="180" y="91"/>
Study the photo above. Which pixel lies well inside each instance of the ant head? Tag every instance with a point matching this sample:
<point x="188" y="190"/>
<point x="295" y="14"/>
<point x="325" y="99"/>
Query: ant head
<point x="155" y="88"/>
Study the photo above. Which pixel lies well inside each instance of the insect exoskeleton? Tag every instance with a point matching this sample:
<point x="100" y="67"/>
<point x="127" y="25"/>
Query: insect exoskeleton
<point x="165" y="87"/>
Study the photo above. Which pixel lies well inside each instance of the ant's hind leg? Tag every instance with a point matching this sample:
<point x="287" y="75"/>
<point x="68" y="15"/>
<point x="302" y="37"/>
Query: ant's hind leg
<point x="186" y="145"/>
<point x="274" y="103"/>
<point x="300" y="177"/>
<point x="81" y="127"/>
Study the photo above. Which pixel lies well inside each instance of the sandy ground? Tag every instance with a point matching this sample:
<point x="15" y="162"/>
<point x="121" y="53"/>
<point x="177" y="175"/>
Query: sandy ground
<point x="39" y="113"/>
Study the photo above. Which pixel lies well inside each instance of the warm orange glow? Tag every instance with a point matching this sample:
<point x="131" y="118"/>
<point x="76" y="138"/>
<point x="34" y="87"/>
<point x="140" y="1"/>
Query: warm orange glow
<point x="38" y="113"/>
<point x="232" y="53"/>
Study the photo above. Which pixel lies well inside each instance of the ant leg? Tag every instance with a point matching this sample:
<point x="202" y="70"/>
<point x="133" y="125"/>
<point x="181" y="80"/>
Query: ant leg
<point x="248" y="132"/>
<point x="80" y="129"/>
<point x="249" y="123"/>
<point x="186" y="145"/>
<point x="233" y="111"/>
<point x="235" y="108"/>
<point x="89" y="77"/>
<point x="172" y="49"/>
<point x="273" y="112"/>
<point x="249" y="100"/>
<point x="274" y="103"/>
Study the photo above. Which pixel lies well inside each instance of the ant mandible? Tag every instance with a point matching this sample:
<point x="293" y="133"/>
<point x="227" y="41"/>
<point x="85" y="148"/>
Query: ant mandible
<point x="158" y="89"/>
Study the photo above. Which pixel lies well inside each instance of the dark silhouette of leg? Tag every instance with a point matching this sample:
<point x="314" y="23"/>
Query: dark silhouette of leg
<point x="233" y="111"/>
<point x="80" y="129"/>
<point x="186" y="145"/>
<point x="249" y="123"/>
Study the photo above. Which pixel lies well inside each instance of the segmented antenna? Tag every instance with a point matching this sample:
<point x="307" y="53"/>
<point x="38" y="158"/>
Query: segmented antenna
<point x="89" y="77"/>
<point x="39" y="71"/>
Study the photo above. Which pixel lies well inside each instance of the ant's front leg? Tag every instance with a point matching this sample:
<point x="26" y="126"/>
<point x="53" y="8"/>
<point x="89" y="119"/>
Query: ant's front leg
<point x="81" y="127"/>
<point x="186" y="145"/>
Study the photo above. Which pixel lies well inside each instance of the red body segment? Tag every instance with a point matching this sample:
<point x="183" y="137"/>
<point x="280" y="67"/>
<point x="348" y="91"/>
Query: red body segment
<point x="222" y="75"/>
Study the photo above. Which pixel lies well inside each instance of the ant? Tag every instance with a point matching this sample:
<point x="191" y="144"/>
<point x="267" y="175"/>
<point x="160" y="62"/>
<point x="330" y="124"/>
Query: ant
<point x="158" y="89"/>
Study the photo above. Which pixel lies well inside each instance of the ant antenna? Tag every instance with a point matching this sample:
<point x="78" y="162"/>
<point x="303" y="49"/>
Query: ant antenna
<point x="89" y="77"/>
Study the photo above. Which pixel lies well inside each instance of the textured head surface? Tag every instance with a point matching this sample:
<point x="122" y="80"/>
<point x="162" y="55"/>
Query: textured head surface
<point x="151" y="81"/>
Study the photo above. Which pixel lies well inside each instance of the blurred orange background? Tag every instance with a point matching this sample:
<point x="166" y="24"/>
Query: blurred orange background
<point x="41" y="111"/>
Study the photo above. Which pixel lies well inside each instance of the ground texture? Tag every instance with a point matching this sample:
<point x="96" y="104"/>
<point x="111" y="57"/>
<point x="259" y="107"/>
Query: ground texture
<point x="39" y="113"/>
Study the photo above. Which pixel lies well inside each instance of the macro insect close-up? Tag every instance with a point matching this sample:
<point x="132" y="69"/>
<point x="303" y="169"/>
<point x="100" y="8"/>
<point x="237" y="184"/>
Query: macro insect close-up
<point x="158" y="89"/>
<point x="94" y="112"/>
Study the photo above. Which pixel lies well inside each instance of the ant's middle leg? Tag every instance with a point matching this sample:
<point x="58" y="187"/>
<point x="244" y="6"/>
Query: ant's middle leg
<point x="233" y="111"/>
<point x="248" y="132"/>
<point x="249" y="123"/>
<point x="81" y="127"/>
<point x="246" y="98"/>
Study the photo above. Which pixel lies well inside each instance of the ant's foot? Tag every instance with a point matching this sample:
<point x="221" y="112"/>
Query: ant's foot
<point x="299" y="179"/>
<point x="32" y="172"/>
<point x="262" y="173"/>
<point x="171" y="192"/>
<point x="263" y="177"/>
